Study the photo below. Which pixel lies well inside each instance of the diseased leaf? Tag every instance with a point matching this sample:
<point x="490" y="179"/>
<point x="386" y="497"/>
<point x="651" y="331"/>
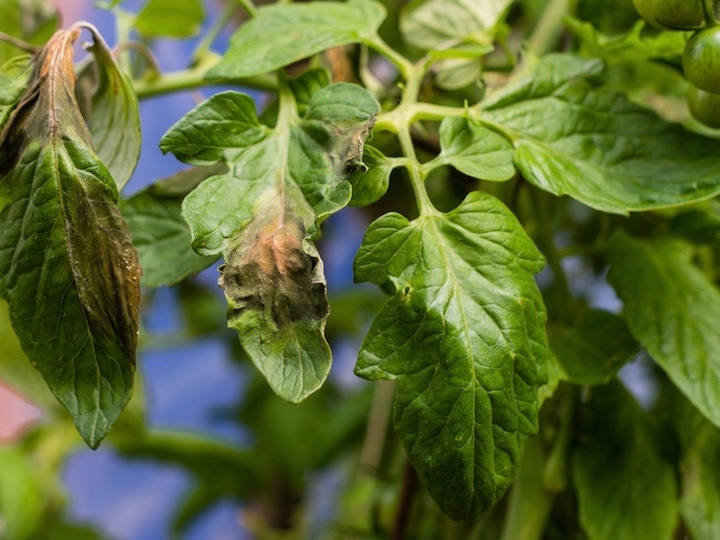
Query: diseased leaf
<point x="673" y="310"/>
<point x="464" y="336"/>
<point x="475" y="150"/>
<point x="160" y="234"/>
<point x="626" y="489"/>
<point x="617" y="156"/>
<point x="595" y="348"/>
<point x="263" y="214"/>
<point x="33" y="21"/>
<point x="281" y="34"/>
<point x="429" y="23"/>
<point x="170" y="18"/>
<point x="67" y="267"/>
<point x="110" y="107"/>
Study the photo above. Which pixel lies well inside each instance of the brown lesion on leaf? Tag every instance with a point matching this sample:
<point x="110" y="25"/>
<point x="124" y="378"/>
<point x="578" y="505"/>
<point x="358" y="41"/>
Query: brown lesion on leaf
<point x="272" y="269"/>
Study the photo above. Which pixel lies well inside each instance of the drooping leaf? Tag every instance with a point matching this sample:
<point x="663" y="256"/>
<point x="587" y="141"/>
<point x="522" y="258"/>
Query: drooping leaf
<point x="625" y="487"/>
<point x="281" y="34"/>
<point x="595" y="348"/>
<point x="67" y="267"/>
<point x="673" y="310"/>
<point x="160" y="234"/>
<point x="573" y="139"/>
<point x="170" y="18"/>
<point x="475" y="150"/>
<point x="110" y="108"/>
<point x="429" y="23"/>
<point x="464" y="336"/>
<point x="263" y="213"/>
<point x="32" y="21"/>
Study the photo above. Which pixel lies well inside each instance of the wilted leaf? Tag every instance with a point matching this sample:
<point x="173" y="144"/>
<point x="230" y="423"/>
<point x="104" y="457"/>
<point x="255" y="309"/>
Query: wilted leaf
<point x="67" y="266"/>
<point x="110" y="108"/>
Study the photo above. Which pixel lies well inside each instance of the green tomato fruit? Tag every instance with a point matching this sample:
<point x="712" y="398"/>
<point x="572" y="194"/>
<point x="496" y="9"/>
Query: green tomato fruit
<point x="704" y="106"/>
<point x="672" y="14"/>
<point x="701" y="60"/>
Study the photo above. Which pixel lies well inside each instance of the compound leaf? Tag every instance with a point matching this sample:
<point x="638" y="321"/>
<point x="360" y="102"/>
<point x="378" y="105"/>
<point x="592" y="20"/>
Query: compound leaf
<point x="679" y="326"/>
<point x="573" y="139"/>
<point x="263" y="213"/>
<point x="281" y="34"/>
<point x="464" y="336"/>
<point x="67" y="267"/>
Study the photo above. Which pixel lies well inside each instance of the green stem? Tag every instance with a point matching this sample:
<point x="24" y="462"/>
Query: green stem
<point x="18" y="43"/>
<point x="194" y="77"/>
<point x="248" y="6"/>
<point x="549" y="28"/>
<point x="422" y="199"/>
<point x="404" y="66"/>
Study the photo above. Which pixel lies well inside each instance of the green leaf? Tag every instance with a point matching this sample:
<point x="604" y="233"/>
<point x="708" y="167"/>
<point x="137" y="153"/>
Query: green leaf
<point x="475" y="150"/>
<point x="700" y="226"/>
<point x="33" y="21"/>
<point x="159" y="233"/>
<point x="67" y="267"/>
<point x="625" y="488"/>
<point x="633" y="47"/>
<point x="281" y="34"/>
<point x="263" y="214"/>
<point x="595" y="348"/>
<point x="700" y="477"/>
<point x="608" y="153"/>
<point x="221" y="129"/>
<point x="464" y="336"/>
<point x="673" y="310"/>
<point x="170" y="18"/>
<point x="110" y="107"/>
<point x="14" y="79"/>
<point x="429" y="23"/>
<point x="371" y="184"/>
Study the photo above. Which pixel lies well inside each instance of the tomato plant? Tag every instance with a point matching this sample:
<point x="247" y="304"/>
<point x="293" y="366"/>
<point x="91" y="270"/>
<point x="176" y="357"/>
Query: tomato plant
<point x="540" y="222"/>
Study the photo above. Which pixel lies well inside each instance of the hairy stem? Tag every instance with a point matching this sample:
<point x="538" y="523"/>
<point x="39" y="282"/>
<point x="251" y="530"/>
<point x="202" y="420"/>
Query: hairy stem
<point x="549" y="28"/>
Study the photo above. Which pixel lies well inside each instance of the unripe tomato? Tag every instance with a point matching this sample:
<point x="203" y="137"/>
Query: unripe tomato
<point x="701" y="60"/>
<point x="704" y="106"/>
<point x="672" y="14"/>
